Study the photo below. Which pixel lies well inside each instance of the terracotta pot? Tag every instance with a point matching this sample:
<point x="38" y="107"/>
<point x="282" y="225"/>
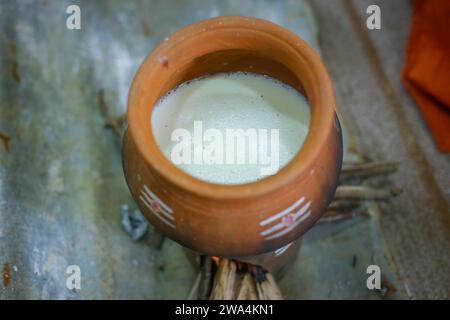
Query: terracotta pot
<point x="233" y="220"/>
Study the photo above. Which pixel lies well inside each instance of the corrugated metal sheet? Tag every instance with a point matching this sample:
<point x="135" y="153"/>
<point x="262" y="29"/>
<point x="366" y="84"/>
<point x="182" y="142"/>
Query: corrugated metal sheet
<point x="61" y="181"/>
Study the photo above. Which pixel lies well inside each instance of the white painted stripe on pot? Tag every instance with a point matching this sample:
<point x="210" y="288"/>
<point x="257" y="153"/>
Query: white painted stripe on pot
<point x="276" y="227"/>
<point x="282" y="213"/>
<point x="282" y="249"/>
<point x="156" y="213"/>
<point x="281" y="225"/>
<point x="151" y="194"/>
<point x="290" y="228"/>
<point x="302" y="210"/>
<point x="168" y="215"/>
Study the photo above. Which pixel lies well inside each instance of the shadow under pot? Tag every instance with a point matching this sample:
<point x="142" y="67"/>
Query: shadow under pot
<point x="239" y="220"/>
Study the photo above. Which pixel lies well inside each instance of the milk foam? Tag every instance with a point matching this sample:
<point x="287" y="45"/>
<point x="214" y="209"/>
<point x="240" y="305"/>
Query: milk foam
<point x="236" y="100"/>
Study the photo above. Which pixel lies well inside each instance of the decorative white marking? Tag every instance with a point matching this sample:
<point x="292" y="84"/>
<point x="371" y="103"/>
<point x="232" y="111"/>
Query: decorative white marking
<point x="290" y="228"/>
<point x="282" y="224"/>
<point x="157" y="214"/>
<point x="149" y="200"/>
<point x="302" y="210"/>
<point x="281" y="250"/>
<point x="283" y="213"/>
<point x="287" y="220"/>
<point x="157" y="207"/>
<point x="158" y="199"/>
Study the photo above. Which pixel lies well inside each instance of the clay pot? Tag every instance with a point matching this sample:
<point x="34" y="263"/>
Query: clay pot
<point x="233" y="220"/>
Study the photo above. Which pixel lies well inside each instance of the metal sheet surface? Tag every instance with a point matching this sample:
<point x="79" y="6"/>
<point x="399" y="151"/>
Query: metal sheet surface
<point x="61" y="181"/>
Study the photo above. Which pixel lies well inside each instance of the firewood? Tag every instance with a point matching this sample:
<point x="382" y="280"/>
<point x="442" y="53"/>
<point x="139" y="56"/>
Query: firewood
<point x="271" y="289"/>
<point x="253" y="284"/>
<point x="364" y="193"/>
<point x="229" y="288"/>
<point x="206" y="277"/>
<point x="259" y="290"/>
<point x="6" y="139"/>
<point x="246" y="290"/>
<point x="245" y="286"/>
<point x="267" y="288"/>
<point x="343" y="205"/>
<point x="224" y="279"/>
<point x="195" y="287"/>
<point x="116" y="123"/>
<point x="252" y="295"/>
<point x="333" y="216"/>
<point x="368" y="169"/>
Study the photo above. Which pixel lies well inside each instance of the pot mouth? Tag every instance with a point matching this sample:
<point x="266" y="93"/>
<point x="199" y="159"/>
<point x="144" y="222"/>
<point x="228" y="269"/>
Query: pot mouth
<point x="227" y="44"/>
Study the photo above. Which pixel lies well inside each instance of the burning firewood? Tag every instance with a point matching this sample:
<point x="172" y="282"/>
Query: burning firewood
<point x="250" y="282"/>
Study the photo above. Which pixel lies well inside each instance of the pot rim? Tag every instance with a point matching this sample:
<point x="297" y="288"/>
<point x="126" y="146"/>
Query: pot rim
<point x="322" y="113"/>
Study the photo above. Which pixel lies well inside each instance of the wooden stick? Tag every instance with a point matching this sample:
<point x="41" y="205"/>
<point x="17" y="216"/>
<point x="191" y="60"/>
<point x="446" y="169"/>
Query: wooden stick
<point x="206" y="275"/>
<point x="231" y="277"/>
<point x="266" y="287"/>
<point x="364" y="193"/>
<point x="271" y="288"/>
<point x="195" y="287"/>
<point x="115" y="123"/>
<point x="224" y="279"/>
<point x="246" y="285"/>
<point x="352" y="170"/>
<point x="6" y="140"/>
<point x="343" y="205"/>
<point x="248" y="288"/>
<point x="260" y="291"/>
<point x="252" y="295"/>
<point x="332" y="216"/>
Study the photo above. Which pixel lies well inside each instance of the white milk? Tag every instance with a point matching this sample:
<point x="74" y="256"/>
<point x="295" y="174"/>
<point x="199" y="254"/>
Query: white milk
<point x="224" y="101"/>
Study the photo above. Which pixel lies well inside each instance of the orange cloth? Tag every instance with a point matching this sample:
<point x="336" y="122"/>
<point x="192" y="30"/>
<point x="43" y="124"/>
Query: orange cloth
<point x="426" y="73"/>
